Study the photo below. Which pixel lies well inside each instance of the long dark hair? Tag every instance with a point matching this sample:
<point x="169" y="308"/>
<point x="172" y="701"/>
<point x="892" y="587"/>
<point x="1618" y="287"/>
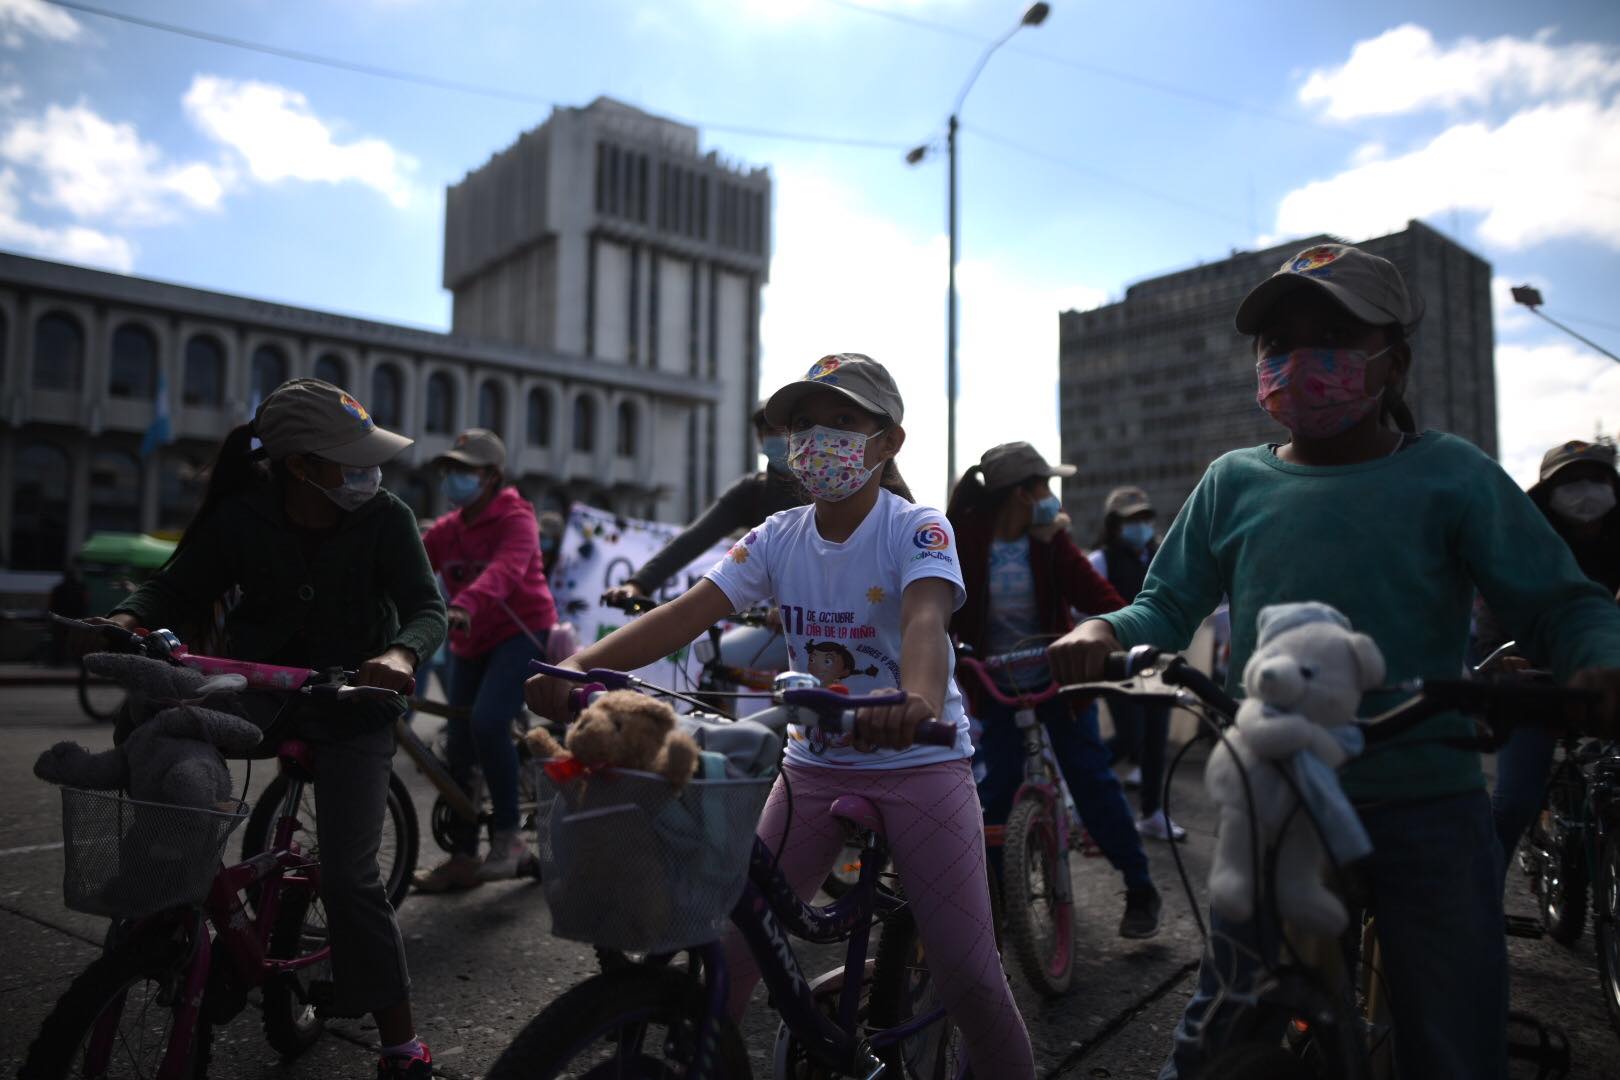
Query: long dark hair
<point x="236" y="468"/>
<point x="971" y="497"/>
<point x="891" y="480"/>
<point x="1395" y="409"/>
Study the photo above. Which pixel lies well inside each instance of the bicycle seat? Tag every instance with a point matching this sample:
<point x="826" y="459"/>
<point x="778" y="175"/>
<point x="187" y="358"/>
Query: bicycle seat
<point x="858" y="812"/>
<point x="297" y="757"/>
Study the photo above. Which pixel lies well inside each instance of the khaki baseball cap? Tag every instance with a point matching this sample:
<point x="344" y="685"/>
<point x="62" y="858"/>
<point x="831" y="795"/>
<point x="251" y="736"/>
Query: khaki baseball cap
<point x="1574" y="452"/>
<point x="1367" y="286"/>
<point x="1127" y="502"/>
<point x="476" y="448"/>
<point x="308" y="416"/>
<point x="1014" y="462"/>
<point x="856" y="376"/>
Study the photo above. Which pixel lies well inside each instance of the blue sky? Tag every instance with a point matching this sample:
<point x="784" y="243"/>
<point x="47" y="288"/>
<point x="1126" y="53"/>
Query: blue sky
<point x="1154" y="135"/>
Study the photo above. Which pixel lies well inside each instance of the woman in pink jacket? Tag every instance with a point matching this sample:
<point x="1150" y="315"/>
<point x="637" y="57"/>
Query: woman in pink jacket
<point x="500" y="611"/>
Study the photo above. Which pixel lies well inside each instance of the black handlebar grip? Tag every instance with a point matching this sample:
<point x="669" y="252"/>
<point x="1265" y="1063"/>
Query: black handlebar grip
<point x="935" y="733"/>
<point x="1119" y="666"/>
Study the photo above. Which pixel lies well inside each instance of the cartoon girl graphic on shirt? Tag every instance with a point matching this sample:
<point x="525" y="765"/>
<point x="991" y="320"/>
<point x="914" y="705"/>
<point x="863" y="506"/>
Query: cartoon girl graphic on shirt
<point x="831" y="663"/>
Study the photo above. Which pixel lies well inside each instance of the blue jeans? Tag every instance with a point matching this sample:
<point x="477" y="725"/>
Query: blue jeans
<point x="1434" y="879"/>
<point x="1522" y="766"/>
<point x="492" y="685"/>
<point x="1084" y="762"/>
<point x="1141" y="733"/>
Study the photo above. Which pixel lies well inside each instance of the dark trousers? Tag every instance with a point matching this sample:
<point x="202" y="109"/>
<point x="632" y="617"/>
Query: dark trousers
<point x="1141" y="733"/>
<point x="1083" y="760"/>
<point x="492" y="686"/>
<point x="1522" y="766"/>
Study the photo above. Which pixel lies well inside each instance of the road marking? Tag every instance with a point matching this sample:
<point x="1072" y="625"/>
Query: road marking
<point x="30" y="849"/>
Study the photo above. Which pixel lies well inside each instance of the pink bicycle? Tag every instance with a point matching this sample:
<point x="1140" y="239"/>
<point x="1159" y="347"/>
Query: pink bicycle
<point x="185" y="948"/>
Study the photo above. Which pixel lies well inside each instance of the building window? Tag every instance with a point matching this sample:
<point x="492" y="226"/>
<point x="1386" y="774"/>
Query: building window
<point x="58" y="353"/>
<point x="627" y="437"/>
<point x="269" y="371"/>
<point x="490" y="406"/>
<point x="115" y="492"/>
<point x="331" y="368"/>
<point x="39" y="508"/>
<point x="584" y="424"/>
<point x="204" y="384"/>
<point x="441" y="404"/>
<point x="132" y="369"/>
<point x="385" y="395"/>
<point x="539" y="417"/>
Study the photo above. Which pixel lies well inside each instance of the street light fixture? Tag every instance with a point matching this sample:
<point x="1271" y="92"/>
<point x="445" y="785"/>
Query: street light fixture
<point x="1034" y="15"/>
<point x="1530" y="297"/>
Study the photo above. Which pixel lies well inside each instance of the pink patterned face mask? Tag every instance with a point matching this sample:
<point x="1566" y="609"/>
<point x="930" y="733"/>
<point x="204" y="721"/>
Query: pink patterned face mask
<point x="829" y="463"/>
<point x="1316" y="393"/>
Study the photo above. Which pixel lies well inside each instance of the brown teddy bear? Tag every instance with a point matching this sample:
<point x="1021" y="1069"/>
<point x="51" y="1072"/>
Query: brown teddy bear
<point x="625" y="730"/>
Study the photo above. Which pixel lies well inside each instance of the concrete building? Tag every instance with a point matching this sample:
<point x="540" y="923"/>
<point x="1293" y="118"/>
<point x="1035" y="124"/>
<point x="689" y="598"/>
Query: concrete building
<point x="606" y="279"/>
<point x="1155" y="387"/>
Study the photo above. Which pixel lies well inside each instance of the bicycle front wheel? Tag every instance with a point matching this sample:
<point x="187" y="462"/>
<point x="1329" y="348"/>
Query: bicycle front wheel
<point x="1562" y="882"/>
<point x="1606" y="924"/>
<point x="634" y="1022"/>
<point x="117" y="1018"/>
<point x="1040" y="925"/>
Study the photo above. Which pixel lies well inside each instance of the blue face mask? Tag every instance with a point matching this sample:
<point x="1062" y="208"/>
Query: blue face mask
<point x="1138" y="534"/>
<point x="461" y="488"/>
<point x="776" y="452"/>
<point x="1046" y="511"/>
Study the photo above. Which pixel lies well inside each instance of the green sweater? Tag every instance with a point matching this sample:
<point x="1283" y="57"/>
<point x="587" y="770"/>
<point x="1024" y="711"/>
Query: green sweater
<point x="1398" y="545"/>
<point x="367" y="586"/>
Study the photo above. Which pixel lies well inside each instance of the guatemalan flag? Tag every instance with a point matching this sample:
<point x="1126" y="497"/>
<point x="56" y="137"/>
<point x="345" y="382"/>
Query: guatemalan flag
<point x="158" y="433"/>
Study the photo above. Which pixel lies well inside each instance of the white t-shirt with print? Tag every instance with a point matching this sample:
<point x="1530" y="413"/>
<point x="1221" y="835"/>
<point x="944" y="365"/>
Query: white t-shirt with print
<point x="840" y="607"/>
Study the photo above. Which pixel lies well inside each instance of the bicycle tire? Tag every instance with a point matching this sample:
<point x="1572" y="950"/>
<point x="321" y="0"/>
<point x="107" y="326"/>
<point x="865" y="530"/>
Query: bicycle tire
<point x="576" y="1023"/>
<point x="1042" y="940"/>
<point x="88" y="703"/>
<point x="1256" y="1061"/>
<point x="154" y="955"/>
<point x="1606" y="927"/>
<point x="901" y="987"/>
<point x="1561" y="880"/>
<point x="291" y="1022"/>
<point x="396" y="855"/>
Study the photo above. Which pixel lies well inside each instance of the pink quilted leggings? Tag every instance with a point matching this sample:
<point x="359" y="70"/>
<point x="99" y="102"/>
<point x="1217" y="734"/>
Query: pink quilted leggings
<point x="935" y="832"/>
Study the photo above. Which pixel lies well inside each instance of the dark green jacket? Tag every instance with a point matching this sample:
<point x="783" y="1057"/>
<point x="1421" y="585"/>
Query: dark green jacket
<point x="367" y="588"/>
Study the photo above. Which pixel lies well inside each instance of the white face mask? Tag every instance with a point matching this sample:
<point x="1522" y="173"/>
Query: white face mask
<point x="1582" y="502"/>
<point x="358" y="486"/>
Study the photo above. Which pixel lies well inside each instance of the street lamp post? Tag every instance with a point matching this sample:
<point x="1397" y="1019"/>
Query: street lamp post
<point x="1034" y="16"/>
<point x="1530" y="297"/>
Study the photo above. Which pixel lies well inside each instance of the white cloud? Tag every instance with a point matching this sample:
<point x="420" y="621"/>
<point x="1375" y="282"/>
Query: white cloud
<point x="846" y="278"/>
<point x="71" y="243"/>
<point x="1547" y="394"/>
<point x="281" y="138"/>
<point x="94" y="168"/>
<point x="1404" y="70"/>
<point x="33" y="17"/>
<point x="1546" y="173"/>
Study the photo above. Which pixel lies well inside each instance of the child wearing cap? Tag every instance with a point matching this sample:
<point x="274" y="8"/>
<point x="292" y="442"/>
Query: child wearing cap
<point x="1396" y="529"/>
<point x="864" y="567"/>
<point x="331" y="573"/>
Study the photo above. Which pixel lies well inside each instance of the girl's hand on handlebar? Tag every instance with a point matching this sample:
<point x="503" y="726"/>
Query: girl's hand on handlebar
<point x="394" y="670"/>
<point x="891" y="727"/>
<point x="1603" y="719"/>
<point x="81" y="642"/>
<point x="1078" y="655"/>
<point x="547" y="696"/>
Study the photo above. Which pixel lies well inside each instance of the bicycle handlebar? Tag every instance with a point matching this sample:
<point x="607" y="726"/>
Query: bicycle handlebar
<point x="1018" y="699"/>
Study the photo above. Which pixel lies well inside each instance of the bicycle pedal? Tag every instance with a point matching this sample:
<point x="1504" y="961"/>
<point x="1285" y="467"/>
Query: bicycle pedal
<point x="1522" y="926"/>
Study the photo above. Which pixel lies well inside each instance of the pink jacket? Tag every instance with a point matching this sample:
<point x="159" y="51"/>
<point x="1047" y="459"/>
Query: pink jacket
<point x="486" y="562"/>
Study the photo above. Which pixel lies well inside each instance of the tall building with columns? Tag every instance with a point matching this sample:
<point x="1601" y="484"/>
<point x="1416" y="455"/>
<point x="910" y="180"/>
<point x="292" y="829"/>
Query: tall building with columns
<point x="606" y="277"/>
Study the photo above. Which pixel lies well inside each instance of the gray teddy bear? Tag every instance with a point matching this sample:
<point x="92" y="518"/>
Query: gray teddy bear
<point x="173" y="756"/>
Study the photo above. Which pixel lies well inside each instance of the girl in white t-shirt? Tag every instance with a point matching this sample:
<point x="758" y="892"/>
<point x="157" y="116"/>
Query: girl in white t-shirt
<point x="866" y="582"/>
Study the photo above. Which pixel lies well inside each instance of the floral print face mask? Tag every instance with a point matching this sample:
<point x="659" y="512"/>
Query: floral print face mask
<point x="1316" y="393"/>
<point x="829" y="463"/>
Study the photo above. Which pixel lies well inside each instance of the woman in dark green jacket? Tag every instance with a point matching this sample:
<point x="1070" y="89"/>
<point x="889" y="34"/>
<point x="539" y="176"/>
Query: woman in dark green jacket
<point x="329" y="571"/>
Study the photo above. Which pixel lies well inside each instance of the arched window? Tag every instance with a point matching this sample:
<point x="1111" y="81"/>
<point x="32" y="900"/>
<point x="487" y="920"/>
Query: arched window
<point x="269" y="371"/>
<point x="58" y="353"/>
<point x="491" y="406"/>
<point x="132" y="369"/>
<point x="584" y="424"/>
<point x="538" y="427"/>
<point x="204" y="385"/>
<point x="441" y="404"/>
<point x="115" y="492"/>
<point x="386" y="392"/>
<point x="331" y="368"/>
<point x="627" y="437"/>
<point x="39" y="508"/>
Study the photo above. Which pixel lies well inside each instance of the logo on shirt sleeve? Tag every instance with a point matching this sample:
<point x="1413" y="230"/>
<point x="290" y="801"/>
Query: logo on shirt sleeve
<point x="932" y="542"/>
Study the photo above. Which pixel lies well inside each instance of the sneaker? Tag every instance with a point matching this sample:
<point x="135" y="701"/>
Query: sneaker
<point x="417" y="1066"/>
<point x="1141" y="918"/>
<point x="509" y="857"/>
<point x="454" y="874"/>
<point x="1133" y="778"/>
<point x="1159" y="826"/>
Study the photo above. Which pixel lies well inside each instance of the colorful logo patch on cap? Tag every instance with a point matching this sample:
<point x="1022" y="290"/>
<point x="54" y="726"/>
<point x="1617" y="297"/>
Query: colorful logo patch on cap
<point x="1315" y="260"/>
<point x="822" y="370"/>
<point x="356" y="410"/>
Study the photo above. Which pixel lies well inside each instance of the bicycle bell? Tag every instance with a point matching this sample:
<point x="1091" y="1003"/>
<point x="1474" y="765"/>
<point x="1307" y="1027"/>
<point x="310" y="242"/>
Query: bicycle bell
<point x="794" y="680"/>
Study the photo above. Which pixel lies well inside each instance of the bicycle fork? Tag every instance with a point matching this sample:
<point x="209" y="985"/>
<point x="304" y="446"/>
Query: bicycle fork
<point x="191" y="977"/>
<point x="1037" y="778"/>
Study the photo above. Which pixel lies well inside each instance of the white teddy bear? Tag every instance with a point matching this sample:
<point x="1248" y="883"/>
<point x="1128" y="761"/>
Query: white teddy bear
<point x="1303" y="685"/>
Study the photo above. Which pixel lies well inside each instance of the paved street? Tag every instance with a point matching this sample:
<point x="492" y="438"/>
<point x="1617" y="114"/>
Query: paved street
<point x="483" y="963"/>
